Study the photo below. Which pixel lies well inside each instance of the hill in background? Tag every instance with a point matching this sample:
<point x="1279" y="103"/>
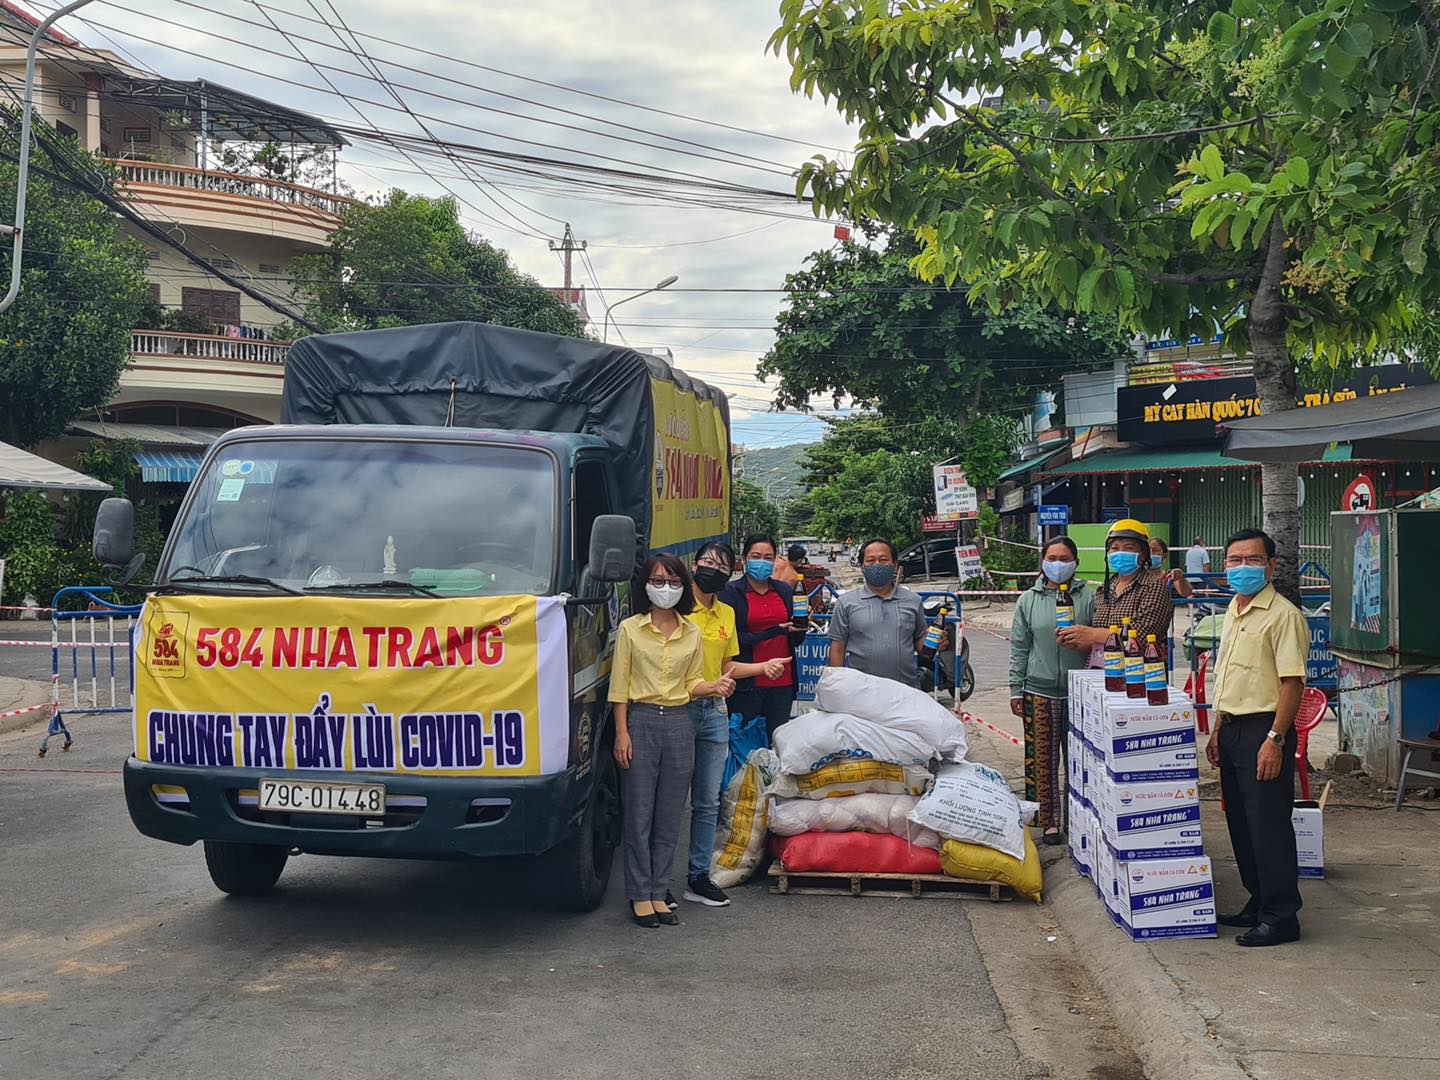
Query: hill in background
<point x="775" y="467"/>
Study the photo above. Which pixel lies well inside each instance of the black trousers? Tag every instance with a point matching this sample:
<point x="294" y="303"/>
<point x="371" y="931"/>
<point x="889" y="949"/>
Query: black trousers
<point x="771" y="702"/>
<point x="1258" y="815"/>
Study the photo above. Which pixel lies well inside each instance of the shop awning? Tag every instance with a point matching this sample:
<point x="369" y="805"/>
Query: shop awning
<point x="22" y="469"/>
<point x="1387" y="427"/>
<point x="1025" y="466"/>
<point x="167" y="466"/>
<point x="1121" y="461"/>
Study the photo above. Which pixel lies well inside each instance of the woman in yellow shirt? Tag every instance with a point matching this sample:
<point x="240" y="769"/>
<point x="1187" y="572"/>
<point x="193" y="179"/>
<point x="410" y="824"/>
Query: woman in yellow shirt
<point x="714" y="563"/>
<point x="658" y="668"/>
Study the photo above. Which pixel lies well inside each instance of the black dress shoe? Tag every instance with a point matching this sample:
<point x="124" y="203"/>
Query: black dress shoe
<point x="667" y="918"/>
<point x="1265" y="934"/>
<point x="1244" y="917"/>
<point x="649" y="922"/>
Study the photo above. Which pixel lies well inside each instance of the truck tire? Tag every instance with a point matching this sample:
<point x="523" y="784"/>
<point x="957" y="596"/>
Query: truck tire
<point x="244" y="869"/>
<point x="576" y="872"/>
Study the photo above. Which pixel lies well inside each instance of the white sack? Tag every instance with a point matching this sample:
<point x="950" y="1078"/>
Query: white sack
<point x="893" y="705"/>
<point x="974" y="804"/>
<point x="812" y="740"/>
<point x="871" y="813"/>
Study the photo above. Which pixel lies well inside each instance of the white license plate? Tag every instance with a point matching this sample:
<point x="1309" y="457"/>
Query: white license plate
<point x="320" y="797"/>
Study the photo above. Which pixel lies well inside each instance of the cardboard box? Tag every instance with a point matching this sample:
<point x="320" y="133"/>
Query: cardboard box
<point x="1166" y="898"/>
<point x="1151" y="820"/>
<point x="1308" y="818"/>
<point x="1105" y="879"/>
<point x="1081" y="838"/>
<point x="1144" y="742"/>
<point x="1075" y="765"/>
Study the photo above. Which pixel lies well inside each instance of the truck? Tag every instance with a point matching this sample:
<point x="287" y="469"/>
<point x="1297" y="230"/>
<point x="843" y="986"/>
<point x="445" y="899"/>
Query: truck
<point x="384" y="626"/>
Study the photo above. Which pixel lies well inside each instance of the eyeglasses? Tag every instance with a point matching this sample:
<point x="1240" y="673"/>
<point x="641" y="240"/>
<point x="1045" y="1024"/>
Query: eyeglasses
<point x="662" y="582"/>
<point x="713" y="564"/>
<point x="1246" y="560"/>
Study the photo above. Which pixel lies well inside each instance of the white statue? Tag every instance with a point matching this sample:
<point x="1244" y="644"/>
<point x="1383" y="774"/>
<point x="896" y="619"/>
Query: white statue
<point x="390" y="556"/>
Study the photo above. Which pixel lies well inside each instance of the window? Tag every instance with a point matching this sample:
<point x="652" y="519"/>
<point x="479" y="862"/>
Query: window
<point x="155" y="292"/>
<point x="271" y="268"/>
<point x="220" y="306"/>
<point x="65" y="131"/>
<point x="591" y="500"/>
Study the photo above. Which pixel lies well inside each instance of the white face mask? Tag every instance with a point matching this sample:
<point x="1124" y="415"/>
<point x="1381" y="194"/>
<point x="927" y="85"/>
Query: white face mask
<point x="664" y="596"/>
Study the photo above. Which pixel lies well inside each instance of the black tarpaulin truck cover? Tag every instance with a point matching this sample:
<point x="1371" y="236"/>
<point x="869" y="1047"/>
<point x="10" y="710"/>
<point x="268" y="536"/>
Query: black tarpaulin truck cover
<point x="670" y="433"/>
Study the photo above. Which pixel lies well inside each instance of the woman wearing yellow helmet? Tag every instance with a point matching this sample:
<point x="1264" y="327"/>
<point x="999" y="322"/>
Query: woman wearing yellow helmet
<point x="1132" y="590"/>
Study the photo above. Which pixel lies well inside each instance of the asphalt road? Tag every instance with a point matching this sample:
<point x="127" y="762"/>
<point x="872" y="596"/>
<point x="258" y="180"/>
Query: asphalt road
<point x="118" y="959"/>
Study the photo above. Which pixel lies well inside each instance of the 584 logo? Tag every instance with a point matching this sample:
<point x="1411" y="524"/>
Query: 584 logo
<point x="165" y="644"/>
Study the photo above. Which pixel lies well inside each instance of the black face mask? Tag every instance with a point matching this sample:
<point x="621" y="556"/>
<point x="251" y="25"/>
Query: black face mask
<point x="709" y="579"/>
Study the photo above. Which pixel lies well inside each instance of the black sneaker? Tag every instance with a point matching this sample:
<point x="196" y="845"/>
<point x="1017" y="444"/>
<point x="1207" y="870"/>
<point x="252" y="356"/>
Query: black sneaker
<point x="701" y="890"/>
<point x="670" y="900"/>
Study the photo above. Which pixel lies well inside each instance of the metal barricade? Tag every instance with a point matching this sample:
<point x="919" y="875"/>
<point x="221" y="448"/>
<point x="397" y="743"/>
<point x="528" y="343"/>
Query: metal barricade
<point x="106" y="642"/>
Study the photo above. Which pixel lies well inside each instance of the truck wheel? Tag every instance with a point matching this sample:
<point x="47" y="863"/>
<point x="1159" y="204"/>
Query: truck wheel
<point x="577" y="871"/>
<point x="244" y="869"/>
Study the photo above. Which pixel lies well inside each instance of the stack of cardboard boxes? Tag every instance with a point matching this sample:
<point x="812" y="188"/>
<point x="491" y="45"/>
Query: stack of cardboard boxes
<point x="1135" y="811"/>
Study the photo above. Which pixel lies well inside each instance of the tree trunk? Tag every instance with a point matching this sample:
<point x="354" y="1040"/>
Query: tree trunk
<point x="1275" y="381"/>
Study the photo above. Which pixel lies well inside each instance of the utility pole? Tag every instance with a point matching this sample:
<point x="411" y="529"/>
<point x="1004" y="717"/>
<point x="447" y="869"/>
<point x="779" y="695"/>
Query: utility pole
<point x="567" y="247"/>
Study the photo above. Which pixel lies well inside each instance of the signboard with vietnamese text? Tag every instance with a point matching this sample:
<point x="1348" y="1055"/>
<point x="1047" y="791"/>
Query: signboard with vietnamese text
<point x="1178" y="413"/>
<point x="967" y="561"/>
<point x="955" y="499"/>
<point x="1054" y="514"/>
<point x="929" y="523"/>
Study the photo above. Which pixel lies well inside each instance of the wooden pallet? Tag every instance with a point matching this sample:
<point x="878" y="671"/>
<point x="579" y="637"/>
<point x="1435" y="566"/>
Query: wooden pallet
<point x="830" y="883"/>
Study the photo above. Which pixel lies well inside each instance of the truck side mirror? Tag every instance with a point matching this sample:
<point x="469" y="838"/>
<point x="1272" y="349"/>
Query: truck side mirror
<point x="114" y="542"/>
<point x="612" y="548"/>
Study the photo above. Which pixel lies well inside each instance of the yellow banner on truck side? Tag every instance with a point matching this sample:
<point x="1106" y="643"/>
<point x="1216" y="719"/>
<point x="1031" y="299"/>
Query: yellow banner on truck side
<point x="469" y="686"/>
<point x="691" y="472"/>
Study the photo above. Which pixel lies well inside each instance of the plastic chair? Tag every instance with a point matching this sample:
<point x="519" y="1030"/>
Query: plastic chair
<point x="1195" y="687"/>
<point x="1307" y="719"/>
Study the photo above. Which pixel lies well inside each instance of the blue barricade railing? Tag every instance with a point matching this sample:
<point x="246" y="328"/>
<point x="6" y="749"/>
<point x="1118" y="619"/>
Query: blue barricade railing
<point x="103" y="635"/>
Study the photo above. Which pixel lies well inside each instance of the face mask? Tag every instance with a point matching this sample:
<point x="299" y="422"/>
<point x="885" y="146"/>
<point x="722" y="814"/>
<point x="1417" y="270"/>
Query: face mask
<point x="879" y="575"/>
<point x="1155" y="561"/>
<point x="1246" y="580"/>
<point x="1122" y="562"/>
<point x="664" y="596"/>
<point x="709" y="579"/>
<point x="1059" y="572"/>
<point x="759" y="569"/>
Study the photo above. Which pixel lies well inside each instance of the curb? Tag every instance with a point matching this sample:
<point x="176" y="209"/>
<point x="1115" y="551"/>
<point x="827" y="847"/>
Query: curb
<point x="1169" y="1036"/>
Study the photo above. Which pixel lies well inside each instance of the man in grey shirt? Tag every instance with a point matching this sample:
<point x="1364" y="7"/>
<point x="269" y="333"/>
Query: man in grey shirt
<point x="879" y="627"/>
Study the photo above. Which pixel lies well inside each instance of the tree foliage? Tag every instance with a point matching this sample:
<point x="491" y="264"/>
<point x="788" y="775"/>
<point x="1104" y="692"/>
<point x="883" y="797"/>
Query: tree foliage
<point x="408" y="260"/>
<point x="858" y="323"/>
<point x="877" y="494"/>
<point x="65" y="340"/>
<point x="983" y="446"/>
<point x="1265" y="166"/>
<point x="751" y="512"/>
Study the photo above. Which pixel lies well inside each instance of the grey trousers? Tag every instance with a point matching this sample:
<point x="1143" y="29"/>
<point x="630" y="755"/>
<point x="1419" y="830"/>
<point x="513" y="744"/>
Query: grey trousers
<point x="653" y="794"/>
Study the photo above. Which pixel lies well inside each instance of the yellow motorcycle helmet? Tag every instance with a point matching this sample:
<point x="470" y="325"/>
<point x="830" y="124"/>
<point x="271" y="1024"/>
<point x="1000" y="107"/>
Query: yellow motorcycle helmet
<point x="1128" y="529"/>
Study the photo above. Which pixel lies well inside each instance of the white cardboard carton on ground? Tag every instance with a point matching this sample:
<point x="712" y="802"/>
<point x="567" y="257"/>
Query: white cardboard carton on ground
<point x="1166" y="898"/>
<point x="1079" y="839"/>
<point x="1153" y="820"/>
<point x="1105" y="879"/>
<point x="1075" y="765"/>
<point x="1081" y="681"/>
<point x="1308" y="820"/>
<point x="1149" y="742"/>
<point x="1095" y="698"/>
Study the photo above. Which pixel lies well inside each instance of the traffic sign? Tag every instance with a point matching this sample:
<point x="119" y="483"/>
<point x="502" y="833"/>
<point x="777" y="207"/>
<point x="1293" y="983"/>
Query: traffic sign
<point x="1058" y="514"/>
<point x="1359" y="494"/>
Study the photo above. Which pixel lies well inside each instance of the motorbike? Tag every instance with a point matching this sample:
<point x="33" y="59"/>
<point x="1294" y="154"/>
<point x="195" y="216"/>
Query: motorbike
<point x="947" y="661"/>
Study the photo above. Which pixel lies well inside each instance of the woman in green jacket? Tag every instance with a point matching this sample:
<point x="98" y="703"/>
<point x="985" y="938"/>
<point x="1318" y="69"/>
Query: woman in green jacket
<point x="1039" y="672"/>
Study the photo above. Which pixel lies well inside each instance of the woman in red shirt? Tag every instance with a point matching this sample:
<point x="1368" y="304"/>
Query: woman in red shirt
<point x="764" y="621"/>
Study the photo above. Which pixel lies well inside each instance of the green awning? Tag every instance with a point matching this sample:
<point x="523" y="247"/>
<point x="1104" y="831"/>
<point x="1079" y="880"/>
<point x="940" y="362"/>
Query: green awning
<point x="1156" y="460"/>
<point x="1026" y="466"/>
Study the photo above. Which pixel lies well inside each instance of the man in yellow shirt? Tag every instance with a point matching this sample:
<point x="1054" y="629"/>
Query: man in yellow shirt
<point x="1258" y="682"/>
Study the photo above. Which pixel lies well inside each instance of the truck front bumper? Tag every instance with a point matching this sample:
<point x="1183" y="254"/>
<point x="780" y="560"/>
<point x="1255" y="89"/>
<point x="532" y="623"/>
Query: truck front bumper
<point x="431" y="817"/>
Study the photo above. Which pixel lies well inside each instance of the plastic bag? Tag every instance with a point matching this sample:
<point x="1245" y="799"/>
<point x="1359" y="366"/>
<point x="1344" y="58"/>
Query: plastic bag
<point x="973" y="803"/>
<point x="853" y="853"/>
<point x="980" y="863"/>
<point x="740" y="835"/>
<point x="895" y="706"/>
<point x="841" y="779"/>
<point x="746" y="736"/>
<point x="812" y="740"/>
<point x="871" y="813"/>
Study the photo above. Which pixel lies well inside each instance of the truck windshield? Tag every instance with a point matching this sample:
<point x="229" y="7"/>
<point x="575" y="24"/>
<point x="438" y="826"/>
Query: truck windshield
<point x="327" y="515"/>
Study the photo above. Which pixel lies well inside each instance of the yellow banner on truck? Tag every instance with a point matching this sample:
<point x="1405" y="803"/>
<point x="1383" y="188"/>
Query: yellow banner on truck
<point x="691" y="471"/>
<point x="466" y="686"/>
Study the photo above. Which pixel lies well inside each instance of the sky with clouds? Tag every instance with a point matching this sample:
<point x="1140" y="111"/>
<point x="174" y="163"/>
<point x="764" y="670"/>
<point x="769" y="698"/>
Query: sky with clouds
<point x="705" y="60"/>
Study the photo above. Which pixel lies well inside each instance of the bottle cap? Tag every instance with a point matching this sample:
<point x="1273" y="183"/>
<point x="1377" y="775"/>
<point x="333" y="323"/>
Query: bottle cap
<point x="1132" y="631"/>
<point x="1150" y="638"/>
<point x="1114" y="629"/>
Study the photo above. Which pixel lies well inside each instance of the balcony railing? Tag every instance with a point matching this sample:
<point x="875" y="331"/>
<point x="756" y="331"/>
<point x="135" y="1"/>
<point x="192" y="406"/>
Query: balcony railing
<point x="206" y="346"/>
<point x="183" y="176"/>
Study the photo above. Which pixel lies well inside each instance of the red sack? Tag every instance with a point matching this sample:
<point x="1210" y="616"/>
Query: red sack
<point x="853" y="853"/>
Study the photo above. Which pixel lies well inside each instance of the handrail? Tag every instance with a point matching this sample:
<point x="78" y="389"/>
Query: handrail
<point x="207" y="346"/>
<point x="191" y="178"/>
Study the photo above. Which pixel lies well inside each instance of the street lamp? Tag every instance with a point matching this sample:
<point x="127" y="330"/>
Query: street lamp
<point x="664" y="283"/>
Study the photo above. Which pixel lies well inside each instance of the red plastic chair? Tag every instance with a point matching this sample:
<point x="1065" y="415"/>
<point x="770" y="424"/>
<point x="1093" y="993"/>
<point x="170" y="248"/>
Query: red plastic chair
<point x="1307" y="719"/>
<point x="1195" y="687"/>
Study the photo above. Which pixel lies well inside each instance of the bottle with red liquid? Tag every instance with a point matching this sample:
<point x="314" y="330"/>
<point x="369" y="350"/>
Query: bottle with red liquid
<point x="1114" y="663"/>
<point x="1134" y="666"/>
<point x="1157" y="690"/>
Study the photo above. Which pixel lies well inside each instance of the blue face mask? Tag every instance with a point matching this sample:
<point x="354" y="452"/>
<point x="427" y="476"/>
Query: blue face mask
<point x="1155" y="561"/>
<point x="1122" y="562"/>
<point x="879" y="575"/>
<point x="759" y="569"/>
<point x="1246" y="580"/>
<point x="1058" y="572"/>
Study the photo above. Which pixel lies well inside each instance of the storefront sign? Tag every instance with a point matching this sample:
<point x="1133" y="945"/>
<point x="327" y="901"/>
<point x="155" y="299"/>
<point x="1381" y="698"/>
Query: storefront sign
<point x="1012" y="500"/>
<point x="1113" y="513"/>
<point x="931" y="524"/>
<point x="1054" y="515"/>
<point x="967" y="560"/>
<point x="1177" y="413"/>
<point x="955" y="499"/>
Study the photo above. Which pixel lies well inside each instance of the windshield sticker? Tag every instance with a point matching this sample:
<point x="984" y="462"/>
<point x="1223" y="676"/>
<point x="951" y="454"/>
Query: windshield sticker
<point x="252" y="472"/>
<point x="230" y="489"/>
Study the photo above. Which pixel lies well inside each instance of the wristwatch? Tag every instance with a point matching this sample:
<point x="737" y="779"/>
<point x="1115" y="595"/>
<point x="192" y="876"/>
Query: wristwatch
<point x="1275" y="737"/>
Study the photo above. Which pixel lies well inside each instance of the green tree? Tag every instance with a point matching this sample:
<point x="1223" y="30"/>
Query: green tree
<point x="65" y="340"/>
<point x="1268" y="167"/>
<point x="751" y="512"/>
<point x="857" y="323"/>
<point x="983" y="446"/>
<point x="877" y="494"/>
<point x="408" y="260"/>
<point x="797" y="515"/>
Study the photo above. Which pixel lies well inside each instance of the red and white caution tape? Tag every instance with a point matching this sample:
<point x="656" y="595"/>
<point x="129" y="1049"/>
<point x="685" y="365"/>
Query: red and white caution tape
<point x="27" y="709"/>
<point x="986" y="724"/>
<point x="66" y="643"/>
<point x="968" y="626"/>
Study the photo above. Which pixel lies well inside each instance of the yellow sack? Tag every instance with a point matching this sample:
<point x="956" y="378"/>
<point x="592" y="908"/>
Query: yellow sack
<point x="840" y="779"/>
<point x="980" y="863"/>
<point x="740" y="835"/>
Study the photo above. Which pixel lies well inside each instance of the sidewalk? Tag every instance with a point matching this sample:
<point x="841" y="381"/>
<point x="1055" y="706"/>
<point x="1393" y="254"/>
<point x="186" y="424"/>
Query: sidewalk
<point x="18" y="694"/>
<point x="1356" y="999"/>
